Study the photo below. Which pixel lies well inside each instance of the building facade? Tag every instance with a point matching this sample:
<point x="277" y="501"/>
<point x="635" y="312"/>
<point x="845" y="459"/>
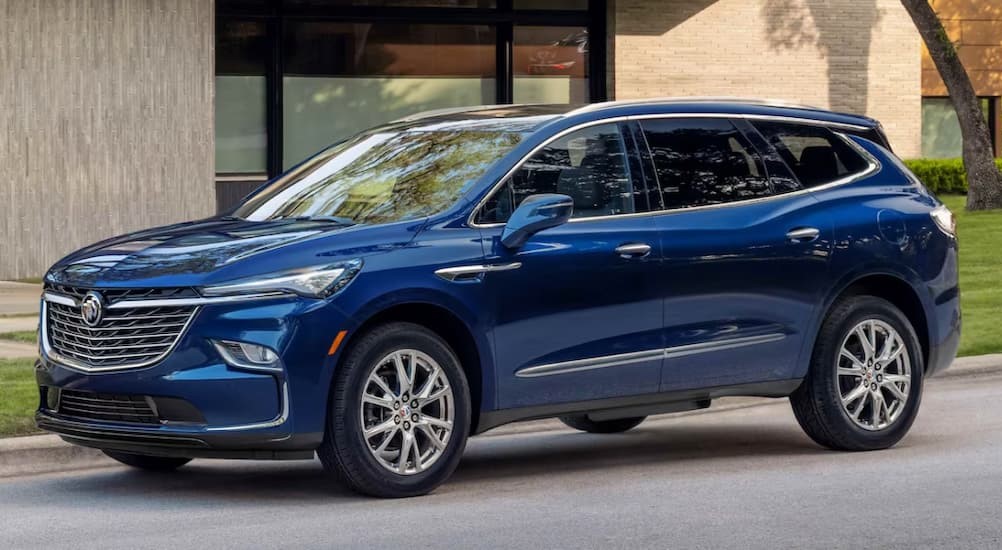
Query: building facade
<point x="975" y="28"/>
<point x="130" y="113"/>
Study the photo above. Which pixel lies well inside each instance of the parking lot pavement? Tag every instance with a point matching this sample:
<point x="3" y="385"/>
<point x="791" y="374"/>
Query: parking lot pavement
<point x="740" y="478"/>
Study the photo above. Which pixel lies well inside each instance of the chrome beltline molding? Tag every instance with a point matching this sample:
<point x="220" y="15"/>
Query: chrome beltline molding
<point x="619" y="360"/>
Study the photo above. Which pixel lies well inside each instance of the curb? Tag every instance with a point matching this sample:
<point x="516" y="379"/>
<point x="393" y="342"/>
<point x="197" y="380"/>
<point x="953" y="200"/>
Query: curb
<point x="41" y="454"/>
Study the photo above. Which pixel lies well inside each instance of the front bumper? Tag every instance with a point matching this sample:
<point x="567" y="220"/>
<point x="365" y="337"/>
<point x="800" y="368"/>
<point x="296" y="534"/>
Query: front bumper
<point x="240" y="413"/>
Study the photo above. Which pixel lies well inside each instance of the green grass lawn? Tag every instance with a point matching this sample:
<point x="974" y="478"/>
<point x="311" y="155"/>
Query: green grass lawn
<point x="980" y="236"/>
<point x="18" y="397"/>
<point x="26" y="336"/>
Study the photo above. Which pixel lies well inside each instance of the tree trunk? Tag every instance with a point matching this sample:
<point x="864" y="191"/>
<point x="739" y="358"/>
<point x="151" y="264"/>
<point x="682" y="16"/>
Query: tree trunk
<point x="984" y="181"/>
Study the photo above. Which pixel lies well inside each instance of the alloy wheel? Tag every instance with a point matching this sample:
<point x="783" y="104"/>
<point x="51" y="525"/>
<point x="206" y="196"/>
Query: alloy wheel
<point x="407" y="412"/>
<point x="873" y="374"/>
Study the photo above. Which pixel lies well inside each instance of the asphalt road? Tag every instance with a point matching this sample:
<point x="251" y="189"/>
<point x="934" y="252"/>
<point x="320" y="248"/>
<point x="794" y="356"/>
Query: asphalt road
<point x="744" y="478"/>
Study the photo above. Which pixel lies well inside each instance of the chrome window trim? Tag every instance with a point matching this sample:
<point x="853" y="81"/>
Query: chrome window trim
<point x="605" y="361"/>
<point x="47" y="352"/>
<point x="873" y="164"/>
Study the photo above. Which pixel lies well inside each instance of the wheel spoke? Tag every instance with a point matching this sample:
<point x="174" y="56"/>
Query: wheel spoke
<point x="384" y="402"/>
<point x="856" y="393"/>
<point x="386" y="441"/>
<point x="859" y="407"/>
<point x="429" y="384"/>
<point x="432" y="437"/>
<point x="380" y="428"/>
<point x="403" y="378"/>
<point x="854" y="371"/>
<point x="894" y="378"/>
<point x="405" y="449"/>
<point x="864" y="341"/>
<point x="416" y="454"/>
<point x="438" y="423"/>
<point x="378" y="380"/>
<point x="876" y="406"/>
<point x="855" y="360"/>
<point x="896" y="391"/>
<point x="439" y="393"/>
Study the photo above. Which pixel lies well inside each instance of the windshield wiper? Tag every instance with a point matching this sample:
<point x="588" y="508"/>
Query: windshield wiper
<point x="340" y="220"/>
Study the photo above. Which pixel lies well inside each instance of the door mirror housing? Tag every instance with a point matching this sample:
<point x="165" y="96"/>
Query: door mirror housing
<point x="536" y="213"/>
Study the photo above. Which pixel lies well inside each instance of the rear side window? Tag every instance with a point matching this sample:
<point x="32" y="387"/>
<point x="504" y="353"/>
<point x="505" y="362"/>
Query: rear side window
<point x="815" y="154"/>
<point x="589" y="165"/>
<point x="703" y="161"/>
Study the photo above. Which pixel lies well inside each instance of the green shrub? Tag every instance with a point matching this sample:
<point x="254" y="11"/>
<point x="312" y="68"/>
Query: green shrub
<point x="942" y="176"/>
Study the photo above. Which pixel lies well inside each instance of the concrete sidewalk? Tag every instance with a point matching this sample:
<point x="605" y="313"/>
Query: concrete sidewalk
<point x="38" y="454"/>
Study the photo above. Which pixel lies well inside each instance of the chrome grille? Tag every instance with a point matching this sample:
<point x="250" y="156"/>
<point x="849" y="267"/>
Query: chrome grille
<point x="101" y="406"/>
<point x="125" y="337"/>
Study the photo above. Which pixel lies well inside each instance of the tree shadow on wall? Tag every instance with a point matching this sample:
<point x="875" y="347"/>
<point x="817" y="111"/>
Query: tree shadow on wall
<point x="841" y="30"/>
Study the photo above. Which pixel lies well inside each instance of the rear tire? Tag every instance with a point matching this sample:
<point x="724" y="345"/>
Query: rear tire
<point x="406" y="437"/>
<point x="855" y="397"/>
<point x="585" y="424"/>
<point x="149" y="463"/>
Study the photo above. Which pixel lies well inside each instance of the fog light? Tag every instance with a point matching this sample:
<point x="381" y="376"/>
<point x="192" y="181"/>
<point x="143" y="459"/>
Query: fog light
<point x="248" y="356"/>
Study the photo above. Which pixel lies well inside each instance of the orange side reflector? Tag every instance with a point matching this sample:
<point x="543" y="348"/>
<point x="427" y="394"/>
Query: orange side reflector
<point x="337" y="342"/>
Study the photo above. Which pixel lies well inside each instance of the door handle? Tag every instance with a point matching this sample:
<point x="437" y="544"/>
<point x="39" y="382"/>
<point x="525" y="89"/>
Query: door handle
<point x="803" y="234"/>
<point x="633" y="250"/>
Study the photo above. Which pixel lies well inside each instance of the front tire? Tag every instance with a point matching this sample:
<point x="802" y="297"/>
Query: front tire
<point x="585" y="424"/>
<point x="864" y="384"/>
<point x="399" y="413"/>
<point x="148" y="463"/>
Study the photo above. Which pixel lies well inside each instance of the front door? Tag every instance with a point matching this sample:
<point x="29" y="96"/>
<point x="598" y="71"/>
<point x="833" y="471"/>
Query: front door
<point x="580" y="317"/>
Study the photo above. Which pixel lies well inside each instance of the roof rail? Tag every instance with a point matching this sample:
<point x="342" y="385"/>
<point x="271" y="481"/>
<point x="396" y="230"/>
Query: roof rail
<point x="700" y="99"/>
<point x="450" y="111"/>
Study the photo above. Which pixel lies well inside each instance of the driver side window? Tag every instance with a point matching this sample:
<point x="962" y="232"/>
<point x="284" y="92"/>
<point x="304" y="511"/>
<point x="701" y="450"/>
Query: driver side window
<point x="589" y="165"/>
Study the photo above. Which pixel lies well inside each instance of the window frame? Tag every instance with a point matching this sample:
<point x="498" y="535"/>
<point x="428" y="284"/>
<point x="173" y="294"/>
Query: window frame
<point x="868" y="159"/>
<point x="837" y="128"/>
<point x="630" y="146"/>
<point x="740" y="124"/>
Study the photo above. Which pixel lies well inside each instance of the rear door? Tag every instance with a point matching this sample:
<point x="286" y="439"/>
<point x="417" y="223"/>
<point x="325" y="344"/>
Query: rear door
<point x="579" y="318"/>
<point x="745" y="256"/>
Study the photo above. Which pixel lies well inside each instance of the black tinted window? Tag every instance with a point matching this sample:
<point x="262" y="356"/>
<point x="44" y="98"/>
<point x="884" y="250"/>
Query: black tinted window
<point x="704" y="161"/>
<point x="588" y="165"/>
<point x="815" y="154"/>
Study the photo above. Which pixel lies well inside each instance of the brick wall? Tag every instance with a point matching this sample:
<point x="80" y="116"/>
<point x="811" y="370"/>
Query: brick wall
<point x="860" y="56"/>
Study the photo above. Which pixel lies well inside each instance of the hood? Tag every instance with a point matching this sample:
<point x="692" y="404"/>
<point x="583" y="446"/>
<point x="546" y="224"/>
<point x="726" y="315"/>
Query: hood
<point x="181" y="252"/>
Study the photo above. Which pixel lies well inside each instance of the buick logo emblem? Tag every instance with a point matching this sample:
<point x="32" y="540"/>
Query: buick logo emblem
<point x="92" y="309"/>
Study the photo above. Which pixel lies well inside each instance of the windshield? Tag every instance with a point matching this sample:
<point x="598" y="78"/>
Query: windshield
<point x="383" y="176"/>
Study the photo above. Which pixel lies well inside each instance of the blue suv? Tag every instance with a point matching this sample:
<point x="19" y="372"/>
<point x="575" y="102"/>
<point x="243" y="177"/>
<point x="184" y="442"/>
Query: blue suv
<point x="448" y="273"/>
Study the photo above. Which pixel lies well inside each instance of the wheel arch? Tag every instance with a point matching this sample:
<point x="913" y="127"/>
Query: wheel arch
<point x="892" y="287"/>
<point x="451" y="326"/>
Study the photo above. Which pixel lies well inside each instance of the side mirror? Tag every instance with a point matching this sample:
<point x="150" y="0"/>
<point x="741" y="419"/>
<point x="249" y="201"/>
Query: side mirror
<point x="536" y="213"/>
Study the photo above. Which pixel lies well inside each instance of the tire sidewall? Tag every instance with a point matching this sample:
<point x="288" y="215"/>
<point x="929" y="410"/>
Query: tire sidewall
<point x="345" y="416"/>
<point x="825" y="360"/>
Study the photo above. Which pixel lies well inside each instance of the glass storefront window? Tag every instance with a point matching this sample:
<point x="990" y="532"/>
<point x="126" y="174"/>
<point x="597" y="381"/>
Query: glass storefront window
<point x="241" y="130"/>
<point x="940" y="128"/>
<point x="550" y="4"/>
<point x="341" y="78"/>
<point x="550" y="64"/>
<point x="396" y="3"/>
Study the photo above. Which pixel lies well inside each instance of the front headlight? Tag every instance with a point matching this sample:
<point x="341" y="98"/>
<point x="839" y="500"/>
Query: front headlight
<point x="312" y="282"/>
